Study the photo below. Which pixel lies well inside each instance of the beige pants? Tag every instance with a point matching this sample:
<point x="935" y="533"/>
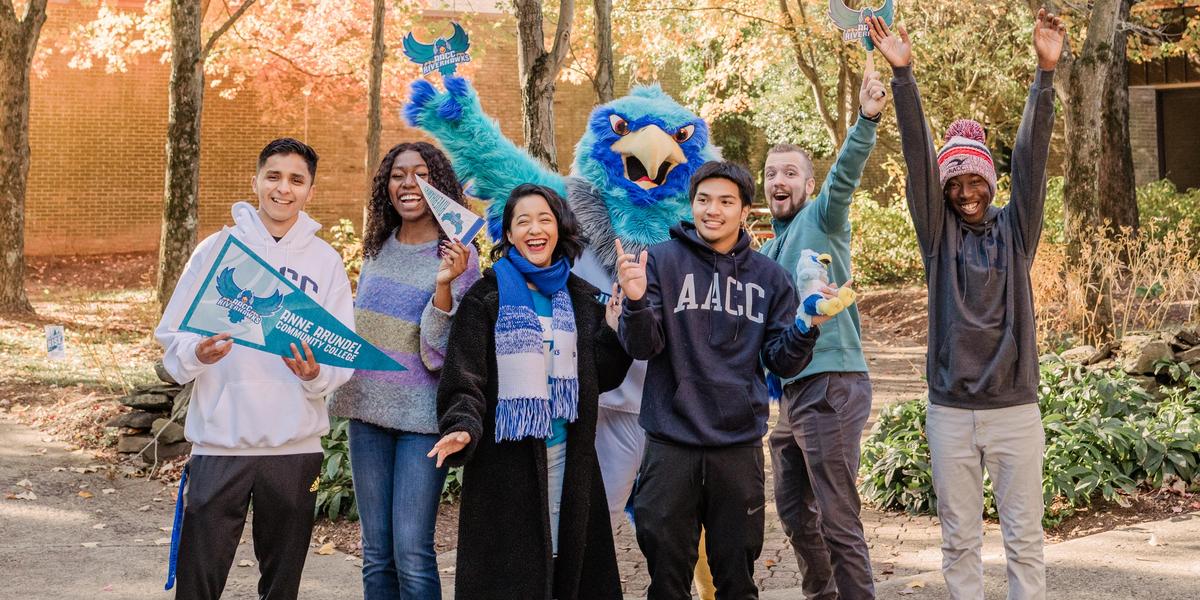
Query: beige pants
<point x="1009" y="443"/>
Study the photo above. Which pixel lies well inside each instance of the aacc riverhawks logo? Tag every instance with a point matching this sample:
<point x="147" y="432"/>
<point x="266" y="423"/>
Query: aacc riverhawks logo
<point x="242" y="303"/>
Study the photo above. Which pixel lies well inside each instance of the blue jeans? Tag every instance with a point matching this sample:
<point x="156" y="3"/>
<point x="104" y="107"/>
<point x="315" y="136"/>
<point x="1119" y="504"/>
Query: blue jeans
<point x="398" y="489"/>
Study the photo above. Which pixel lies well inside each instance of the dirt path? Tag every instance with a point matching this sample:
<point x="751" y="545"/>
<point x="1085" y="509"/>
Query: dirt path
<point x="71" y="527"/>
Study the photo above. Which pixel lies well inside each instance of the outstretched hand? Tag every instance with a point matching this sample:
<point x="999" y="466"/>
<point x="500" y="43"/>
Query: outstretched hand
<point x="895" y="47"/>
<point x="449" y="444"/>
<point x="631" y="272"/>
<point x="1049" y="35"/>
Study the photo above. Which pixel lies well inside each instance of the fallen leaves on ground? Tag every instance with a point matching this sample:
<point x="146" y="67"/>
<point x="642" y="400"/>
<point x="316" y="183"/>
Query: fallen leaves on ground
<point x="325" y="550"/>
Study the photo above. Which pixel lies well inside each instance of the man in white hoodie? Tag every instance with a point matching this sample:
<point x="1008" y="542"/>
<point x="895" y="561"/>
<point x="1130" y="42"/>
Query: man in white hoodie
<point x="255" y="421"/>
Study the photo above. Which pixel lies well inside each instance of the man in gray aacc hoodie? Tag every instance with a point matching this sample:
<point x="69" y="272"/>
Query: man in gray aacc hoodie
<point x="982" y="361"/>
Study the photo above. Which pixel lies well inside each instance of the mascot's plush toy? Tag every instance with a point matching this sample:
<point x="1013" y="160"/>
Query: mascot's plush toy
<point x="812" y="274"/>
<point x="631" y="173"/>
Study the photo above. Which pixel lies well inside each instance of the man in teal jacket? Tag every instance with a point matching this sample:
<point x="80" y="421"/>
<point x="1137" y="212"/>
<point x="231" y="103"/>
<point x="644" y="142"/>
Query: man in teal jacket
<point x="815" y="446"/>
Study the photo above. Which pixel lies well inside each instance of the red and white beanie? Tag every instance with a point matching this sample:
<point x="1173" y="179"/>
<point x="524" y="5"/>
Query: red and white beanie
<point x="966" y="151"/>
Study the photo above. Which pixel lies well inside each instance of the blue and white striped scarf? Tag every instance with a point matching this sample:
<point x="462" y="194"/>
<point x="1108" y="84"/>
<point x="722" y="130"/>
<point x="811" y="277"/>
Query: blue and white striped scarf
<point x="529" y="397"/>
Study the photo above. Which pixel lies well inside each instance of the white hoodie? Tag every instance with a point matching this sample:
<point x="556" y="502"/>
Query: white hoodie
<point x="249" y="402"/>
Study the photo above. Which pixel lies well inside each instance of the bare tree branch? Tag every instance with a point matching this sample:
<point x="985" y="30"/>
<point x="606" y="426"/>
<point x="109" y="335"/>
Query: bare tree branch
<point x="562" y="34"/>
<point x="719" y="9"/>
<point x="216" y="35"/>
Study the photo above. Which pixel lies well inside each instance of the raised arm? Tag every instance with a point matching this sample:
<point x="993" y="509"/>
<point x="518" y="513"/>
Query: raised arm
<point x="641" y="330"/>
<point x="1032" y="147"/>
<point x="477" y="149"/>
<point x="926" y="200"/>
<point x="838" y="189"/>
<point x="435" y="322"/>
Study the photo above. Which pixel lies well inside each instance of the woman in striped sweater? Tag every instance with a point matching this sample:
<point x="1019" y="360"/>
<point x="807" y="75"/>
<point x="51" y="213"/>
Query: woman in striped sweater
<point x="411" y="282"/>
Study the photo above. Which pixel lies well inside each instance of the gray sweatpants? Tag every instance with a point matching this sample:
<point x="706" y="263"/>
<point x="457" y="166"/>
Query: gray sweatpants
<point x="1009" y="443"/>
<point x="815" y="453"/>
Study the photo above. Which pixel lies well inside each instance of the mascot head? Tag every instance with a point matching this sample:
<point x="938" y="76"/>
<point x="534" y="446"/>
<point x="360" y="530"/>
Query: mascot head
<point x="644" y="146"/>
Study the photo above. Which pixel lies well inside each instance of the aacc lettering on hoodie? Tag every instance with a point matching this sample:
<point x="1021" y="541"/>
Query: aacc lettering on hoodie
<point x="733" y="297"/>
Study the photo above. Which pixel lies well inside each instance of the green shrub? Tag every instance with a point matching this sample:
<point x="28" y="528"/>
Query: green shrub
<point x="335" y="492"/>
<point x="452" y="489"/>
<point x="1105" y="435"/>
<point x="346" y="241"/>
<point x="896" y="469"/>
<point x="883" y="248"/>
<point x="1159" y="203"/>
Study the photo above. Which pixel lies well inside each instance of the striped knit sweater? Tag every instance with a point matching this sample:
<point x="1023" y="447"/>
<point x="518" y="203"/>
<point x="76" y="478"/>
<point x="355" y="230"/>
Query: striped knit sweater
<point x="394" y="311"/>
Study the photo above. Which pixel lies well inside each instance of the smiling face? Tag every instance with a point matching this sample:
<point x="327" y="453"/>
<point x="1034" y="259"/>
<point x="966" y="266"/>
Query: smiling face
<point x="403" y="191"/>
<point x="969" y="196"/>
<point x="788" y="179"/>
<point x="533" y="230"/>
<point x="718" y="211"/>
<point x="283" y="186"/>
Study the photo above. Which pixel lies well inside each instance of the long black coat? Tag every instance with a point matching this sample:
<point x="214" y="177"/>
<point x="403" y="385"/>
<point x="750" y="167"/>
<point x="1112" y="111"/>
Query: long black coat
<point x="504" y="550"/>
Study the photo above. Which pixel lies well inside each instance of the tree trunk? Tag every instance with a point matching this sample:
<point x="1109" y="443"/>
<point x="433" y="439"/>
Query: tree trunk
<point x="18" y="42"/>
<point x="539" y="70"/>
<point x="1117" y="201"/>
<point x="374" y="101"/>
<point x="603" y="81"/>
<point x="180" y="219"/>
<point x="1099" y="177"/>
<point x="181" y="197"/>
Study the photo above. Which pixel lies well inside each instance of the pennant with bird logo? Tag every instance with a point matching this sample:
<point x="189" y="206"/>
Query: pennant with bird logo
<point x="259" y="308"/>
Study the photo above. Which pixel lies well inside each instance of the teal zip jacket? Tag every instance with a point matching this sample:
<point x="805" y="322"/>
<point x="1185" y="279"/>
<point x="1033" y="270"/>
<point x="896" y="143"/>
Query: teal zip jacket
<point x="823" y="225"/>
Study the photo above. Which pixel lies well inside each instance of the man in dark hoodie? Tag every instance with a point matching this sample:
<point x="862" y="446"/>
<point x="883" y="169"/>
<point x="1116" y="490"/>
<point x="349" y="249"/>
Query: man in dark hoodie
<point x="982" y="362"/>
<point x="707" y="312"/>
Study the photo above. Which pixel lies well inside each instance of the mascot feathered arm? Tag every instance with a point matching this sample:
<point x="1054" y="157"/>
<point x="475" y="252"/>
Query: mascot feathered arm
<point x="477" y="148"/>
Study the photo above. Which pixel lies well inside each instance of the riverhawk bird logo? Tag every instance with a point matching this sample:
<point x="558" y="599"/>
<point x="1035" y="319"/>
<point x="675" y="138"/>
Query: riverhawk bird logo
<point x="242" y="303"/>
<point x="443" y="55"/>
<point x="453" y="220"/>
<point x="853" y="23"/>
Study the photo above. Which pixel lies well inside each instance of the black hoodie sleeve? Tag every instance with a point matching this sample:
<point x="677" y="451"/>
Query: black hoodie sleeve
<point x="641" y="329"/>
<point x="926" y="200"/>
<point x="785" y="350"/>
<point x="462" y="391"/>
<point x="612" y="362"/>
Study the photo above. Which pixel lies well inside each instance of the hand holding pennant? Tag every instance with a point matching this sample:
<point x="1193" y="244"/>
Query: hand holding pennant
<point x="247" y="301"/>
<point x="459" y="223"/>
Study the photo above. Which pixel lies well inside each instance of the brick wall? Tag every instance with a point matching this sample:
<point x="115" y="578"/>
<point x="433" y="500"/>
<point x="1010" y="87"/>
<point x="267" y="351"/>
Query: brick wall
<point x="1143" y="133"/>
<point x="98" y="150"/>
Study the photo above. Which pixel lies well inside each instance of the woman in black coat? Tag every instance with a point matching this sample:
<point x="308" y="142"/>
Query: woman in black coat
<point x="506" y="530"/>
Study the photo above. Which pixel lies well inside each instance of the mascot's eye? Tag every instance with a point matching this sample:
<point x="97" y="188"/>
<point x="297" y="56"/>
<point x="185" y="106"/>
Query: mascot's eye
<point x="619" y="126"/>
<point x="685" y="133"/>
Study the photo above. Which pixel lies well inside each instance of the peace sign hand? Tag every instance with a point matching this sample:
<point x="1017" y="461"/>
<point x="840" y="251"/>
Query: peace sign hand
<point x="631" y="273"/>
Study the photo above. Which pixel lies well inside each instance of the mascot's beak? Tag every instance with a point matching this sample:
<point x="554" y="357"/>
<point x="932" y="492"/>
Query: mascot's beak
<point x="649" y="155"/>
<point x="825" y="259"/>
